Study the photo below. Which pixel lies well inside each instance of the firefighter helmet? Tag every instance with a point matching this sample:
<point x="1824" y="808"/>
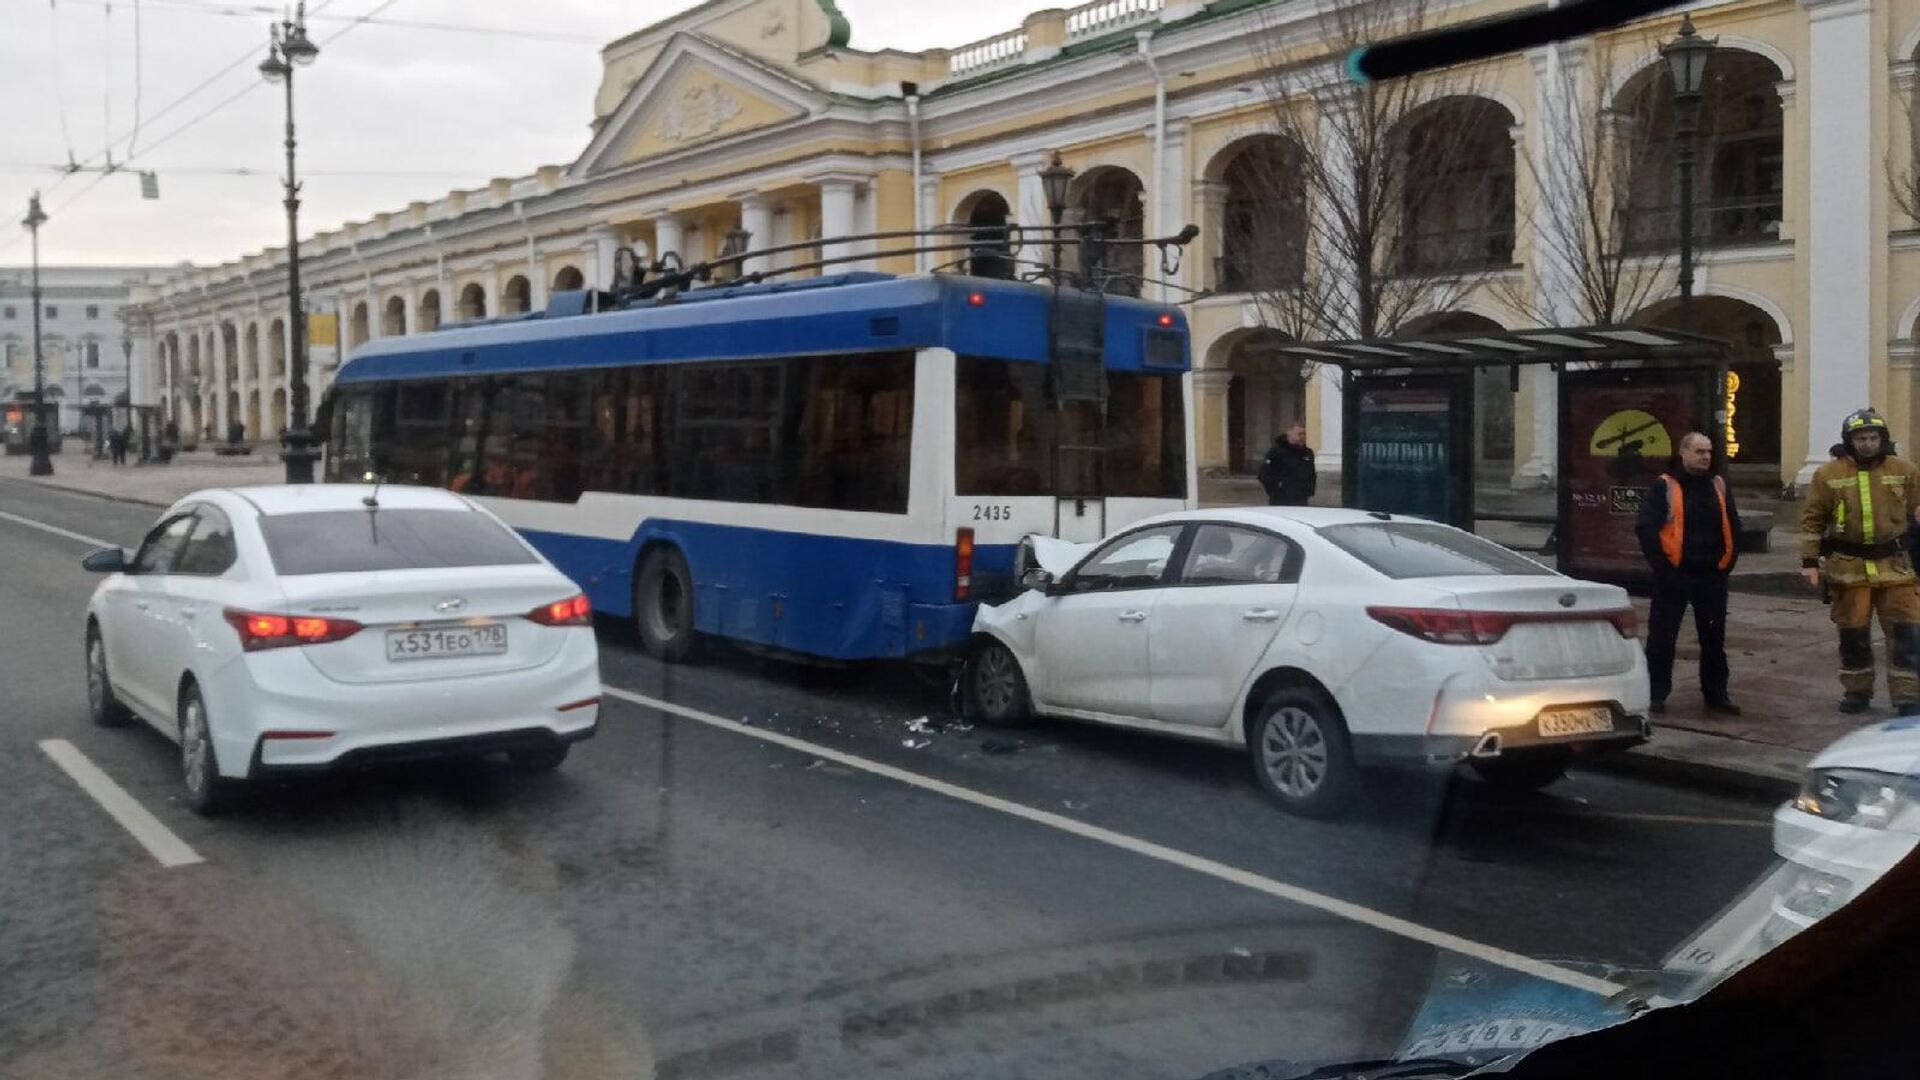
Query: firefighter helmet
<point x="1861" y="420"/>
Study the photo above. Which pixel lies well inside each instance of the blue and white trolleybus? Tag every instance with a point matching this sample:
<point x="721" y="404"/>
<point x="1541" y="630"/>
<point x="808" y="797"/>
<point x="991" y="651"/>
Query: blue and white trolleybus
<point x="839" y="467"/>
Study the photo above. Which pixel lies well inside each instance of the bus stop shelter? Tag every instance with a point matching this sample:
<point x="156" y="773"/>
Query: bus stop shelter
<point x="1626" y="396"/>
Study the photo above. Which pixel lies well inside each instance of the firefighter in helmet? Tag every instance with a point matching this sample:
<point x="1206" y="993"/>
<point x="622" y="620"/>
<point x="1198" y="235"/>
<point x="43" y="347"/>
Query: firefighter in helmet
<point x="1853" y="540"/>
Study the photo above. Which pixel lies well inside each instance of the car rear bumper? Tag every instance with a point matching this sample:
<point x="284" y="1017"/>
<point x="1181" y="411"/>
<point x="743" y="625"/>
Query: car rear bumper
<point x="374" y="755"/>
<point x="273" y="712"/>
<point x="1492" y="744"/>
<point x="1474" y="714"/>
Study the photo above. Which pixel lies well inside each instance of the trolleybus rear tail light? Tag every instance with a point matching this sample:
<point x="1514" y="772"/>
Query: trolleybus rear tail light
<point x="963" y="565"/>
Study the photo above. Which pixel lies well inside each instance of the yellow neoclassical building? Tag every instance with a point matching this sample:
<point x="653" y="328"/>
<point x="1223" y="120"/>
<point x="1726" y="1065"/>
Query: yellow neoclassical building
<point x="755" y="115"/>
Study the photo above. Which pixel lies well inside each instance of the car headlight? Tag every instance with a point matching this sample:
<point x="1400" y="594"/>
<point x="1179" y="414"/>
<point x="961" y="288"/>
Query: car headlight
<point x="1855" y="796"/>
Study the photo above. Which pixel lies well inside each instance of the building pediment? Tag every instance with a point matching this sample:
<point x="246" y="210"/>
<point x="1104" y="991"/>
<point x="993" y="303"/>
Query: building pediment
<point x="696" y="91"/>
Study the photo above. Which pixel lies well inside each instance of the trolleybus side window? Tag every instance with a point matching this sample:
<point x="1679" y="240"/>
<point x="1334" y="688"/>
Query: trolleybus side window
<point x="422" y="413"/>
<point x="831" y="432"/>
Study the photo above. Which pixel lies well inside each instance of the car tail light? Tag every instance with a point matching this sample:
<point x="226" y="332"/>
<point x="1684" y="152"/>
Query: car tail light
<point x="963" y="565"/>
<point x="573" y="611"/>
<point x="1626" y="620"/>
<point x="1444" y="626"/>
<point x="259" y="630"/>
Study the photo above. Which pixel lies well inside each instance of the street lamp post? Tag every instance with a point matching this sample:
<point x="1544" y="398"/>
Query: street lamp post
<point x="288" y="48"/>
<point x="38" y="443"/>
<point x="1055" y="179"/>
<point x="1686" y="58"/>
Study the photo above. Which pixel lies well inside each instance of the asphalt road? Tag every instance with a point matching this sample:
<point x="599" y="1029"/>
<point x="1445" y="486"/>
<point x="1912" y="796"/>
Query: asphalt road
<point x="788" y="871"/>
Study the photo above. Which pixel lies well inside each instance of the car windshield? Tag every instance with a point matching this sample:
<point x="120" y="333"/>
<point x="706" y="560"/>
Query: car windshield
<point x="344" y="541"/>
<point x="1100" y="540"/>
<point x="1411" y="549"/>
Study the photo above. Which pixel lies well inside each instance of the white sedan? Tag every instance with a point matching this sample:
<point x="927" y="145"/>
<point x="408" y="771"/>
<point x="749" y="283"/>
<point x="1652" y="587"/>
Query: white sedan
<point x="1323" y="641"/>
<point x="292" y="629"/>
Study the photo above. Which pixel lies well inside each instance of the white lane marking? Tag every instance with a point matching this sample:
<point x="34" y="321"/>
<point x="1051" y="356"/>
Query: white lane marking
<point x="1365" y="916"/>
<point x="1665" y="819"/>
<point x="56" y="530"/>
<point x="159" y="840"/>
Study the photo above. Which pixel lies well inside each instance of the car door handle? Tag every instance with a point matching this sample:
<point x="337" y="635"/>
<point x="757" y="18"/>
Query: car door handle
<point x="141" y="605"/>
<point x="1133" y="616"/>
<point x="1260" y="615"/>
<point x="189" y="612"/>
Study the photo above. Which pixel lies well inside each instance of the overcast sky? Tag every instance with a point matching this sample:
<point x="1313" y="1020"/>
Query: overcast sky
<point x="387" y="114"/>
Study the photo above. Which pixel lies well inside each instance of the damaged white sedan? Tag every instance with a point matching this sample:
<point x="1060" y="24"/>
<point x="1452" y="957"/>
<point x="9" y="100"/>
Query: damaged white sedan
<point x="1323" y="641"/>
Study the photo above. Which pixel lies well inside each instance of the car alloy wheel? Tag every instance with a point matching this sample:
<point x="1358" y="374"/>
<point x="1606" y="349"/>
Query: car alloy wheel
<point x="102" y="704"/>
<point x="196" y="746"/>
<point x="96" y="676"/>
<point x="207" y="790"/>
<point x="1300" y="753"/>
<point x="995" y="682"/>
<point x="996" y="690"/>
<point x="1294" y="753"/>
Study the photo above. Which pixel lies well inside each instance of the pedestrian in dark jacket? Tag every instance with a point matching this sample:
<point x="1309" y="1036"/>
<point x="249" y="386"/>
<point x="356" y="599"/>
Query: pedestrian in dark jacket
<point x="117" y="445"/>
<point x="1287" y="472"/>
<point x="1688" y="530"/>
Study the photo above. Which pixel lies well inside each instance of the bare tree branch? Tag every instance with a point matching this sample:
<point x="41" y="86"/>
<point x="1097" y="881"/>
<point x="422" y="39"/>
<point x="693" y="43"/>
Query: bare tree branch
<point x="1374" y="203"/>
<point x="1588" y="153"/>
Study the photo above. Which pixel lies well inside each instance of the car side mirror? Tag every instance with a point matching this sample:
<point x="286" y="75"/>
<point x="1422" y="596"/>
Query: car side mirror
<point x="111" y="560"/>
<point x="1037" y="578"/>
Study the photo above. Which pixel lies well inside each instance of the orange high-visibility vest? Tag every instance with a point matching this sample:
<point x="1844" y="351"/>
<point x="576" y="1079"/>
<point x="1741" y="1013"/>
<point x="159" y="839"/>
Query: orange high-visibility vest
<point x="1673" y="535"/>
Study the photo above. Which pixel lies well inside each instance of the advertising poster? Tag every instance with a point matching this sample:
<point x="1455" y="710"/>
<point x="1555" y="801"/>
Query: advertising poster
<point x="1404" y="454"/>
<point x="1616" y="440"/>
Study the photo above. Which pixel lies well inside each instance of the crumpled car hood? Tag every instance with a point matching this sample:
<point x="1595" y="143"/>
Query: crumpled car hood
<point x="1054" y="555"/>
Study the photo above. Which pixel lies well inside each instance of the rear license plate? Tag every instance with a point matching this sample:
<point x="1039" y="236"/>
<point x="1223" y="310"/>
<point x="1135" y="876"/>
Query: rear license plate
<point x="1585" y="720"/>
<point x="446" y="642"/>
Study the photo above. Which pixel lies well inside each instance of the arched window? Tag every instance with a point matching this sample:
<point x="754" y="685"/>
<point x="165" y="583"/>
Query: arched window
<point x="277" y="347"/>
<point x="1455" y="174"/>
<point x="473" y="302"/>
<point x="358" y="328"/>
<point x="517" y="298"/>
<point x="987" y="213"/>
<point x="230" y="352"/>
<point x="1263" y="216"/>
<point x="1113" y="195"/>
<point x="569" y="279"/>
<point x="1739" y="154"/>
<point x="250" y="343"/>
<point x="393" y="320"/>
<point x="430" y="310"/>
<point x="1266" y="394"/>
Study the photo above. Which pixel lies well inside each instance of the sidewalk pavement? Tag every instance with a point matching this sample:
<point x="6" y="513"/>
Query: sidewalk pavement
<point x="1780" y="647"/>
<point x="151" y="485"/>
